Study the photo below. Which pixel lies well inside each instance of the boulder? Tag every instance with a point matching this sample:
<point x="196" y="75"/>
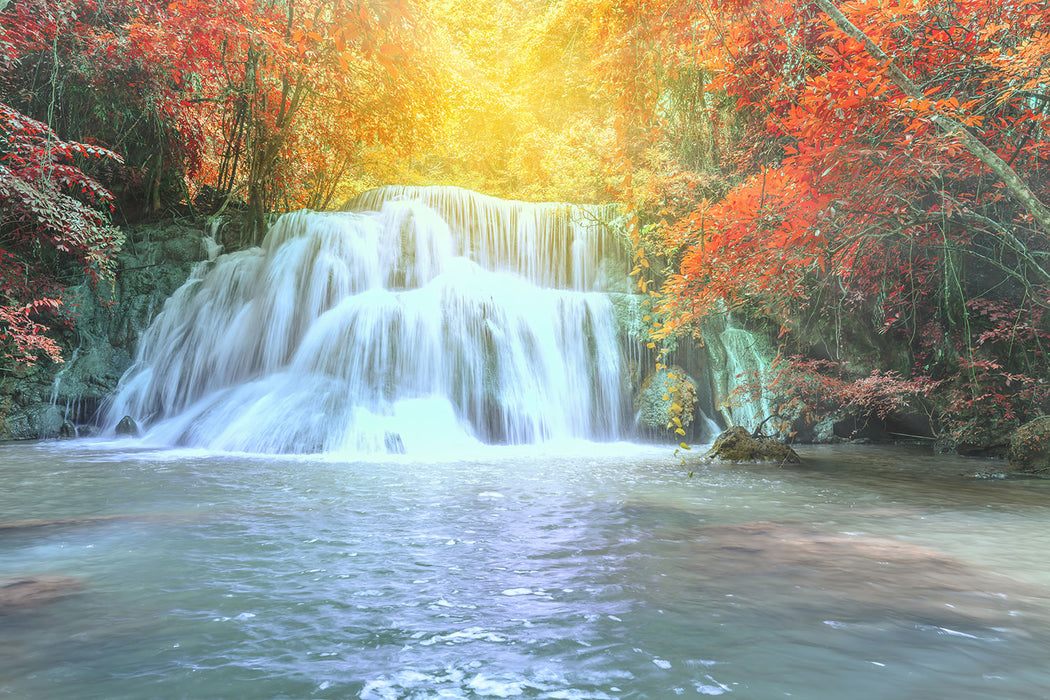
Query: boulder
<point x="127" y="426"/>
<point x="739" y="445"/>
<point x="823" y="432"/>
<point x="1030" y="447"/>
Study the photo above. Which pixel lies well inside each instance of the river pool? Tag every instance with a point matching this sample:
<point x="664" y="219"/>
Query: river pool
<point x="582" y="572"/>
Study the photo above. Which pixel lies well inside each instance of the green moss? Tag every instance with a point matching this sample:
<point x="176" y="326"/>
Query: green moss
<point x="1030" y="447"/>
<point x="629" y="314"/>
<point x="738" y="445"/>
<point x="660" y="394"/>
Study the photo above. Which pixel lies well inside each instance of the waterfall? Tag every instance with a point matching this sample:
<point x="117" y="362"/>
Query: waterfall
<point x="748" y="369"/>
<point x="425" y="319"/>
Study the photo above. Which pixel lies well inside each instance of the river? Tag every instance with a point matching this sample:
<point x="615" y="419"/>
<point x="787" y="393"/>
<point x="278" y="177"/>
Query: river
<point x="586" y="571"/>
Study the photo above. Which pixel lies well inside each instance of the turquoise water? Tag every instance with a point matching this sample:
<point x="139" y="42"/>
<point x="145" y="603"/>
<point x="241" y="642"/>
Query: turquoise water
<point x="584" y="572"/>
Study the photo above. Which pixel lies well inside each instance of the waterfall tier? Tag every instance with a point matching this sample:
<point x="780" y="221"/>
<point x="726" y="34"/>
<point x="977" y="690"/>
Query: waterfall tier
<point x="428" y="318"/>
<point x="551" y="245"/>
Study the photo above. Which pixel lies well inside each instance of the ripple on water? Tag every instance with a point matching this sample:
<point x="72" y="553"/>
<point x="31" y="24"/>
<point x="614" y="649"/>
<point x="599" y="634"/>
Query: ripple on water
<point x="472" y="680"/>
<point x="514" y="576"/>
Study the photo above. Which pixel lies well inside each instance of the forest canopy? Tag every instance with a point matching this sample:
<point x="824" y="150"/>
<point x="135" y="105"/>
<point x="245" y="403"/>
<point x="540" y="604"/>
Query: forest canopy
<point x="867" y="180"/>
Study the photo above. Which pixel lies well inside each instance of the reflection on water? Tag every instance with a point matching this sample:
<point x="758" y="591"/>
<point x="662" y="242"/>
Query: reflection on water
<point x="596" y="572"/>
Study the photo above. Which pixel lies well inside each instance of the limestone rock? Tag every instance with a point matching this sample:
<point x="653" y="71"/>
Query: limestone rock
<point x="824" y="431"/>
<point x="1030" y="447"/>
<point x="738" y="445"/>
<point x="35" y="401"/>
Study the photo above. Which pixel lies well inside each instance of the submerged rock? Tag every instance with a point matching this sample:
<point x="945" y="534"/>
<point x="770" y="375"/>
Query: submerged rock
<point x="1030" y="447"/>
<point x="127" y="426"/>
<point x="27" y="592"/>
<point x="853" y="578"/>
<point x="739" y="445"/>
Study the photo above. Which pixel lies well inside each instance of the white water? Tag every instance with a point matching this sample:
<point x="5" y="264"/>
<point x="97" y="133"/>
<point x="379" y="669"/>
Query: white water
<point x="393" y="330"/>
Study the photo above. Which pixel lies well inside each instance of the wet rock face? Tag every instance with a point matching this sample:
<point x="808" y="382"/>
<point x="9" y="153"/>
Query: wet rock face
<point x="37" y="401"/>
<point x="1030" y="447"/>
<point x="738" y="445"/>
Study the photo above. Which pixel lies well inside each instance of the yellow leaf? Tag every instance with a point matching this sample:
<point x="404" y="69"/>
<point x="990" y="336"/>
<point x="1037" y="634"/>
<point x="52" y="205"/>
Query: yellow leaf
<point x="676" y="407"/>
<point x="666" y="397"/>
<point x="650" y="345"/>
<point x="684" y="446"/>
<point x="680" y="431"/>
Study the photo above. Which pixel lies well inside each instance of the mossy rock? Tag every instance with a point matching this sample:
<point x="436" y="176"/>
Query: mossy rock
<point x="666" y="395"/>
<point x="738" y="445"/>
<point x="1030" y="447"/>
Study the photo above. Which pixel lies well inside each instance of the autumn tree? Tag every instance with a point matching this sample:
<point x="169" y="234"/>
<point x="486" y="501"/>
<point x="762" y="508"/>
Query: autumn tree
<point x="518" y="116"/>
<point x="74" y="67"/>
<point x="870" y="186"/>
<point x="263" y="81"/>
<point x="52" y="215"/>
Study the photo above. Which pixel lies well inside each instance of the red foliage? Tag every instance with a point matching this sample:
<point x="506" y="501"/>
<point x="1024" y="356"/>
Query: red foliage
<point x="807" y="388"/>
<point x="853" y="208"/>
<point x="46" y="201"/>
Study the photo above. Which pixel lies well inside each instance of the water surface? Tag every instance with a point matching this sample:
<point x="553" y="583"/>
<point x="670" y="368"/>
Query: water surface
<point x="583" y="572"/>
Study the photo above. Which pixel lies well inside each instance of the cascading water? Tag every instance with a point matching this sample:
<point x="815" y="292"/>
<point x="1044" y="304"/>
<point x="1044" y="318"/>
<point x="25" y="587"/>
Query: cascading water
<point x="430" y="318"/>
